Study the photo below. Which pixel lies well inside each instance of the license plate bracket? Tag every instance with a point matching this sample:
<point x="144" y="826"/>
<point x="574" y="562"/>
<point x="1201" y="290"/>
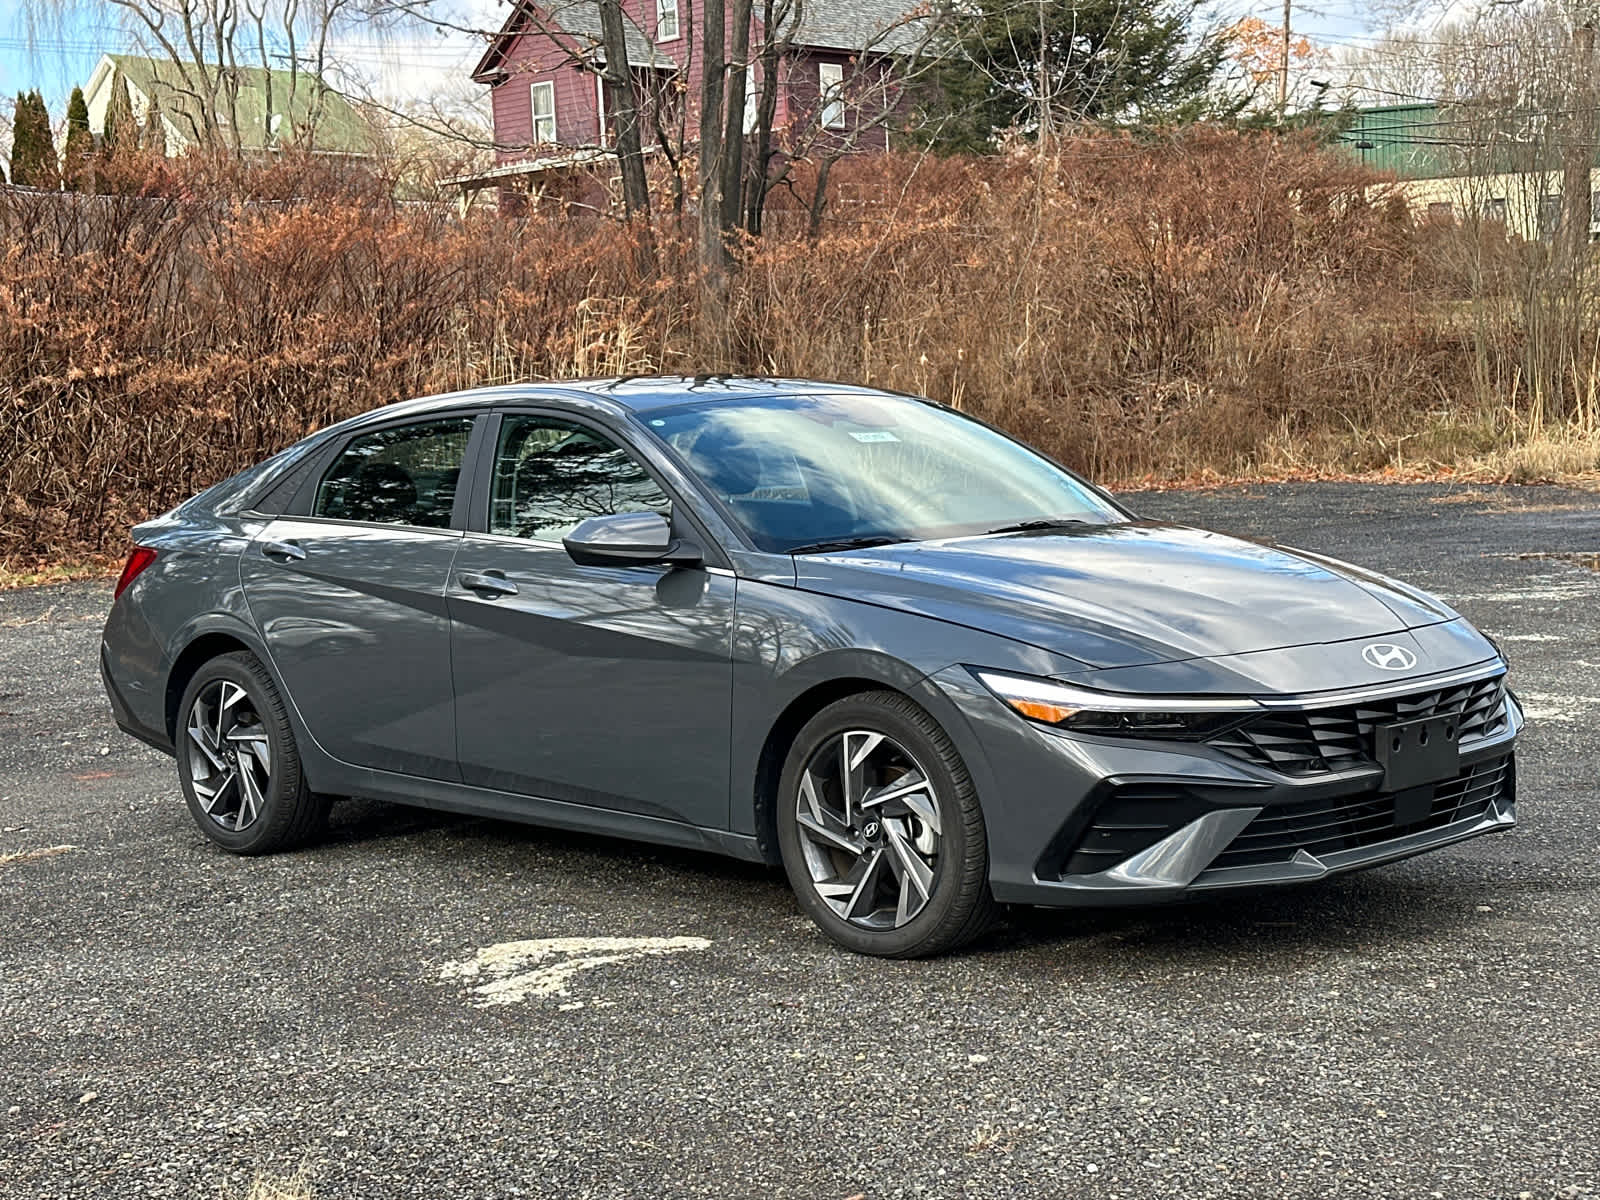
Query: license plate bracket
<point x="1417" y="752"/>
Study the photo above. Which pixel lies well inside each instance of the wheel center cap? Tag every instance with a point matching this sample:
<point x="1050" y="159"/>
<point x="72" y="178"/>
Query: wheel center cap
<point x="871" y="830"/>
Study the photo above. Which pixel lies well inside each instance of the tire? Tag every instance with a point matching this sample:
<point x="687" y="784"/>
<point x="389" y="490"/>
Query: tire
<point x="238" y="764"/>
<point x="853" y="824"/>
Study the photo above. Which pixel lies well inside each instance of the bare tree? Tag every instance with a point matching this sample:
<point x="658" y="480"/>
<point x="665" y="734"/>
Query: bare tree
<point x="622" y="106"/>
<point x="713" y="65"/>
<point x="1513" y="136"/>
<point x="1397" y="67"/>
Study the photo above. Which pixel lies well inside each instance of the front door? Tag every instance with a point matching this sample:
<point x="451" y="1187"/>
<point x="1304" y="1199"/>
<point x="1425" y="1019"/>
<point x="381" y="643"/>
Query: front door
<point x="604" y="686"/>
<point x="350" y="599"/>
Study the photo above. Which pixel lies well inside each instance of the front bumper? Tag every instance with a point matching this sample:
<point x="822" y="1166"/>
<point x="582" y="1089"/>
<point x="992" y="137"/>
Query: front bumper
<point x="1077" y="820"/>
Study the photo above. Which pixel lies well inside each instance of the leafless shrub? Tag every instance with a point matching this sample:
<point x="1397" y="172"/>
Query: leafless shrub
<point x="1215" y="304"/>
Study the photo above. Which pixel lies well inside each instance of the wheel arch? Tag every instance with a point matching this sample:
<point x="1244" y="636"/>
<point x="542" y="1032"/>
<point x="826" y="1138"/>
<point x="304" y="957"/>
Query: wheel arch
<point x="815" y="696"/>
<point x="217" y="634"/>
<point x="199" y="651"/>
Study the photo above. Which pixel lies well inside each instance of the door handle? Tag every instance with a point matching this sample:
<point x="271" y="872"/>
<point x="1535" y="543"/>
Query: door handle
<point x="487" y="584"/>
<point x="283" y="551"/>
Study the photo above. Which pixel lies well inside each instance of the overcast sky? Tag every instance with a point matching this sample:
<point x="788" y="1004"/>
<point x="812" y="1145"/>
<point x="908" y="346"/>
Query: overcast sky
<point x="425" y="61"/>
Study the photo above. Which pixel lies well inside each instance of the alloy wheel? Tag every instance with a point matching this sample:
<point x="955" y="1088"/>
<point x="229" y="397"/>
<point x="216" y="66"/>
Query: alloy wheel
<point x="870" y="829"/>
<point x="229" y="755"/>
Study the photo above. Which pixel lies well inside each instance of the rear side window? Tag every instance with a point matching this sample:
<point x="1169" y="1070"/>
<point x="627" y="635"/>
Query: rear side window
<point x="401" y="476"/>
<point x="278" y="497"/>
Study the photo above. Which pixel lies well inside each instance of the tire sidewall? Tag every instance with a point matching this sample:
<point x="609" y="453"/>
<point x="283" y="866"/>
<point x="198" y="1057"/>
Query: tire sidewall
<point x="283" y="783"/>
<point x="875" y="713"/>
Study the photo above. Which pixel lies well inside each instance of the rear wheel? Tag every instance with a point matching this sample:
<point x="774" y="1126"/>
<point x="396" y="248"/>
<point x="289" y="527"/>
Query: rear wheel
<point x="881" y="832"/>
<point x="237" y="760"/>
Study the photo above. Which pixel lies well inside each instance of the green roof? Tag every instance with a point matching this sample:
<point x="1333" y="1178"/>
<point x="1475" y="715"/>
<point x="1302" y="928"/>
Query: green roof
<point x="1403" y="138"/>
<point x="339" y="128"/>
<point x="1425" y="141"/>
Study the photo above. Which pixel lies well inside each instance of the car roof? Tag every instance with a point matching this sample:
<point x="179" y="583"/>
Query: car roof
<point x="638" y="393"/>
<point x="621" y="394"/>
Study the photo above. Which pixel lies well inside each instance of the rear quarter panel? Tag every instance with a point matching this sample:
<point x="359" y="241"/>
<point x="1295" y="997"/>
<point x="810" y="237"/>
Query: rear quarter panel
<point x="192" y="588"/>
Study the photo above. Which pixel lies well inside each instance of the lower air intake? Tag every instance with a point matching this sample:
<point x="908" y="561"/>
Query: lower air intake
<point x="1347" y="823"/>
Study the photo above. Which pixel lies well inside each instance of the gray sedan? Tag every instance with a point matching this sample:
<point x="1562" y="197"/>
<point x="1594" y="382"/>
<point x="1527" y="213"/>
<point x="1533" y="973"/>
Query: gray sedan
<point x="862" y="636"/>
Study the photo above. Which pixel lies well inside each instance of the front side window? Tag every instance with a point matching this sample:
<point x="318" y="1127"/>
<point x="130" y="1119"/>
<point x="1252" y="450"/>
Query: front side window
<point x="542" y="104"/>
<point x="830" y="77"/>
<point x="666" y="20"/>
<point x="401" y="476"/>
<point x="794" y="471"/>
<point x="550" y="475"/>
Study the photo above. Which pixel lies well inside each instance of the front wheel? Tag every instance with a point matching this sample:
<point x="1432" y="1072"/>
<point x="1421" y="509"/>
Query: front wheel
<point x="881" y="832"/>
<point x="238" y="763"/>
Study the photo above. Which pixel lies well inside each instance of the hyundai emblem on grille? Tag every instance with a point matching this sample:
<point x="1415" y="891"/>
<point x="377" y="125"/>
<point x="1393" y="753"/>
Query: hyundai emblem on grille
<point x="1388" y="656"/>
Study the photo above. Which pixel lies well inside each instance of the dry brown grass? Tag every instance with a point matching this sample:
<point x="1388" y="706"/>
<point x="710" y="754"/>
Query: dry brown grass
<point x="266" y="1186"/>
<point x="1214" y="308"/>
<point x="40" y="573"/>
<point x="27" y="856"/>
<point x="1544" y="459"/>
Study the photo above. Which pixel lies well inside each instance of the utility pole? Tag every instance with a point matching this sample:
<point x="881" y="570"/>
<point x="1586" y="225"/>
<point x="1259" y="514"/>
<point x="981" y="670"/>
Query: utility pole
<point x="1283" y="72"/>
<point x="1577" y="208"/>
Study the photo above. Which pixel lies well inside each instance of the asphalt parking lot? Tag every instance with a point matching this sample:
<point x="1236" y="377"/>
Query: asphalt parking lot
<point x="173" y="1019"/>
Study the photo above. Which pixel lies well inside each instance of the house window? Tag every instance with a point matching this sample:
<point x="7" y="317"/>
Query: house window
<point x="1441" y="210"/>
<point x="666" y="20"/>
<point x="542" y="103"/>
<point x="1495" y="209"/>
<point x="831" y="78"/>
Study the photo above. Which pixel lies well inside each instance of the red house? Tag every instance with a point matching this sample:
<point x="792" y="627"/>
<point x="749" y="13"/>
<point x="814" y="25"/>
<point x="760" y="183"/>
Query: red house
<point x="833" y="78"/>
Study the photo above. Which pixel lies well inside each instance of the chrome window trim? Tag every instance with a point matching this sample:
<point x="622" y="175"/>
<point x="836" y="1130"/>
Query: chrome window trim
<point x="348" y="523"/>
<point x="512" y="539"/>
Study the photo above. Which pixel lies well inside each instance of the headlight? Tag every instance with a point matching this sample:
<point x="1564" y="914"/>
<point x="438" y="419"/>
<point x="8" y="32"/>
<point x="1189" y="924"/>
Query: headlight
<point x="1084" y="711"/>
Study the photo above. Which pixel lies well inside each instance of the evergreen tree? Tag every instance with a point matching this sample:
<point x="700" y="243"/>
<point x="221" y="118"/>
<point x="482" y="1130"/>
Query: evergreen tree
<point x="153" y="137"/>
<point x="33" y="146"/>
<point x="1032" y="66"/>
<point x="78" y="154"/>
<point x="20" y="126"/>
<point x="122" y="127"/>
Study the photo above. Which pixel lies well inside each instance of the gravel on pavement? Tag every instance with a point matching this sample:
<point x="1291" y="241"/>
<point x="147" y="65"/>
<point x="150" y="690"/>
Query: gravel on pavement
<point x="435" y="1006"/>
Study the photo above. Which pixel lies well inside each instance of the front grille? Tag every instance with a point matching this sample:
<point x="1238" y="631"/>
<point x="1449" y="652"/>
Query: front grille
<point x="1316" y="740"/>
<point x="1345" y="823"/>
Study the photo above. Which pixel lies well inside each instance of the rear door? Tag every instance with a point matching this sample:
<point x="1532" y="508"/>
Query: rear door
<point x="604" y="686"/>
<point x="349" y="596"/>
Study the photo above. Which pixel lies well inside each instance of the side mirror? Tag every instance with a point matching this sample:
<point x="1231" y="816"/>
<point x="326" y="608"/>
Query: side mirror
<point x="629" y="539"/>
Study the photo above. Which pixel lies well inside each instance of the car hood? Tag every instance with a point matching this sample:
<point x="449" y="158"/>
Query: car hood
<point x="1128" y="594"/>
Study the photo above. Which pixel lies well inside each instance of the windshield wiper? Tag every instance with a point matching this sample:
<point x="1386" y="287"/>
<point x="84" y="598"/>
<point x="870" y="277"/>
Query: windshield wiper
<point x="1040" y="523"/>
<point x="855" y="543"/>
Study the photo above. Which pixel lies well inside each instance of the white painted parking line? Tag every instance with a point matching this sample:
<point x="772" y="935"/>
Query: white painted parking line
<point x="1572" y="586"/>
<point x="511" y="972"/>
<point x="1557" y="706"/>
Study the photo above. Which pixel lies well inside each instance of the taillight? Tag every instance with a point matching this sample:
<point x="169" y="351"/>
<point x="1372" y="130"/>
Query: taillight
<point x="141" y="558"/>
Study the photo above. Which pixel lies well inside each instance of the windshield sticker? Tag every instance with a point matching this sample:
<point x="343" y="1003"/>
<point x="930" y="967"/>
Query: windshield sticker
<point x="874" y="435"/>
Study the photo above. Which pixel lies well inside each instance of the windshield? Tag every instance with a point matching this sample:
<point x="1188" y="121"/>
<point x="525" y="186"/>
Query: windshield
<point x="817" y="472"/>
